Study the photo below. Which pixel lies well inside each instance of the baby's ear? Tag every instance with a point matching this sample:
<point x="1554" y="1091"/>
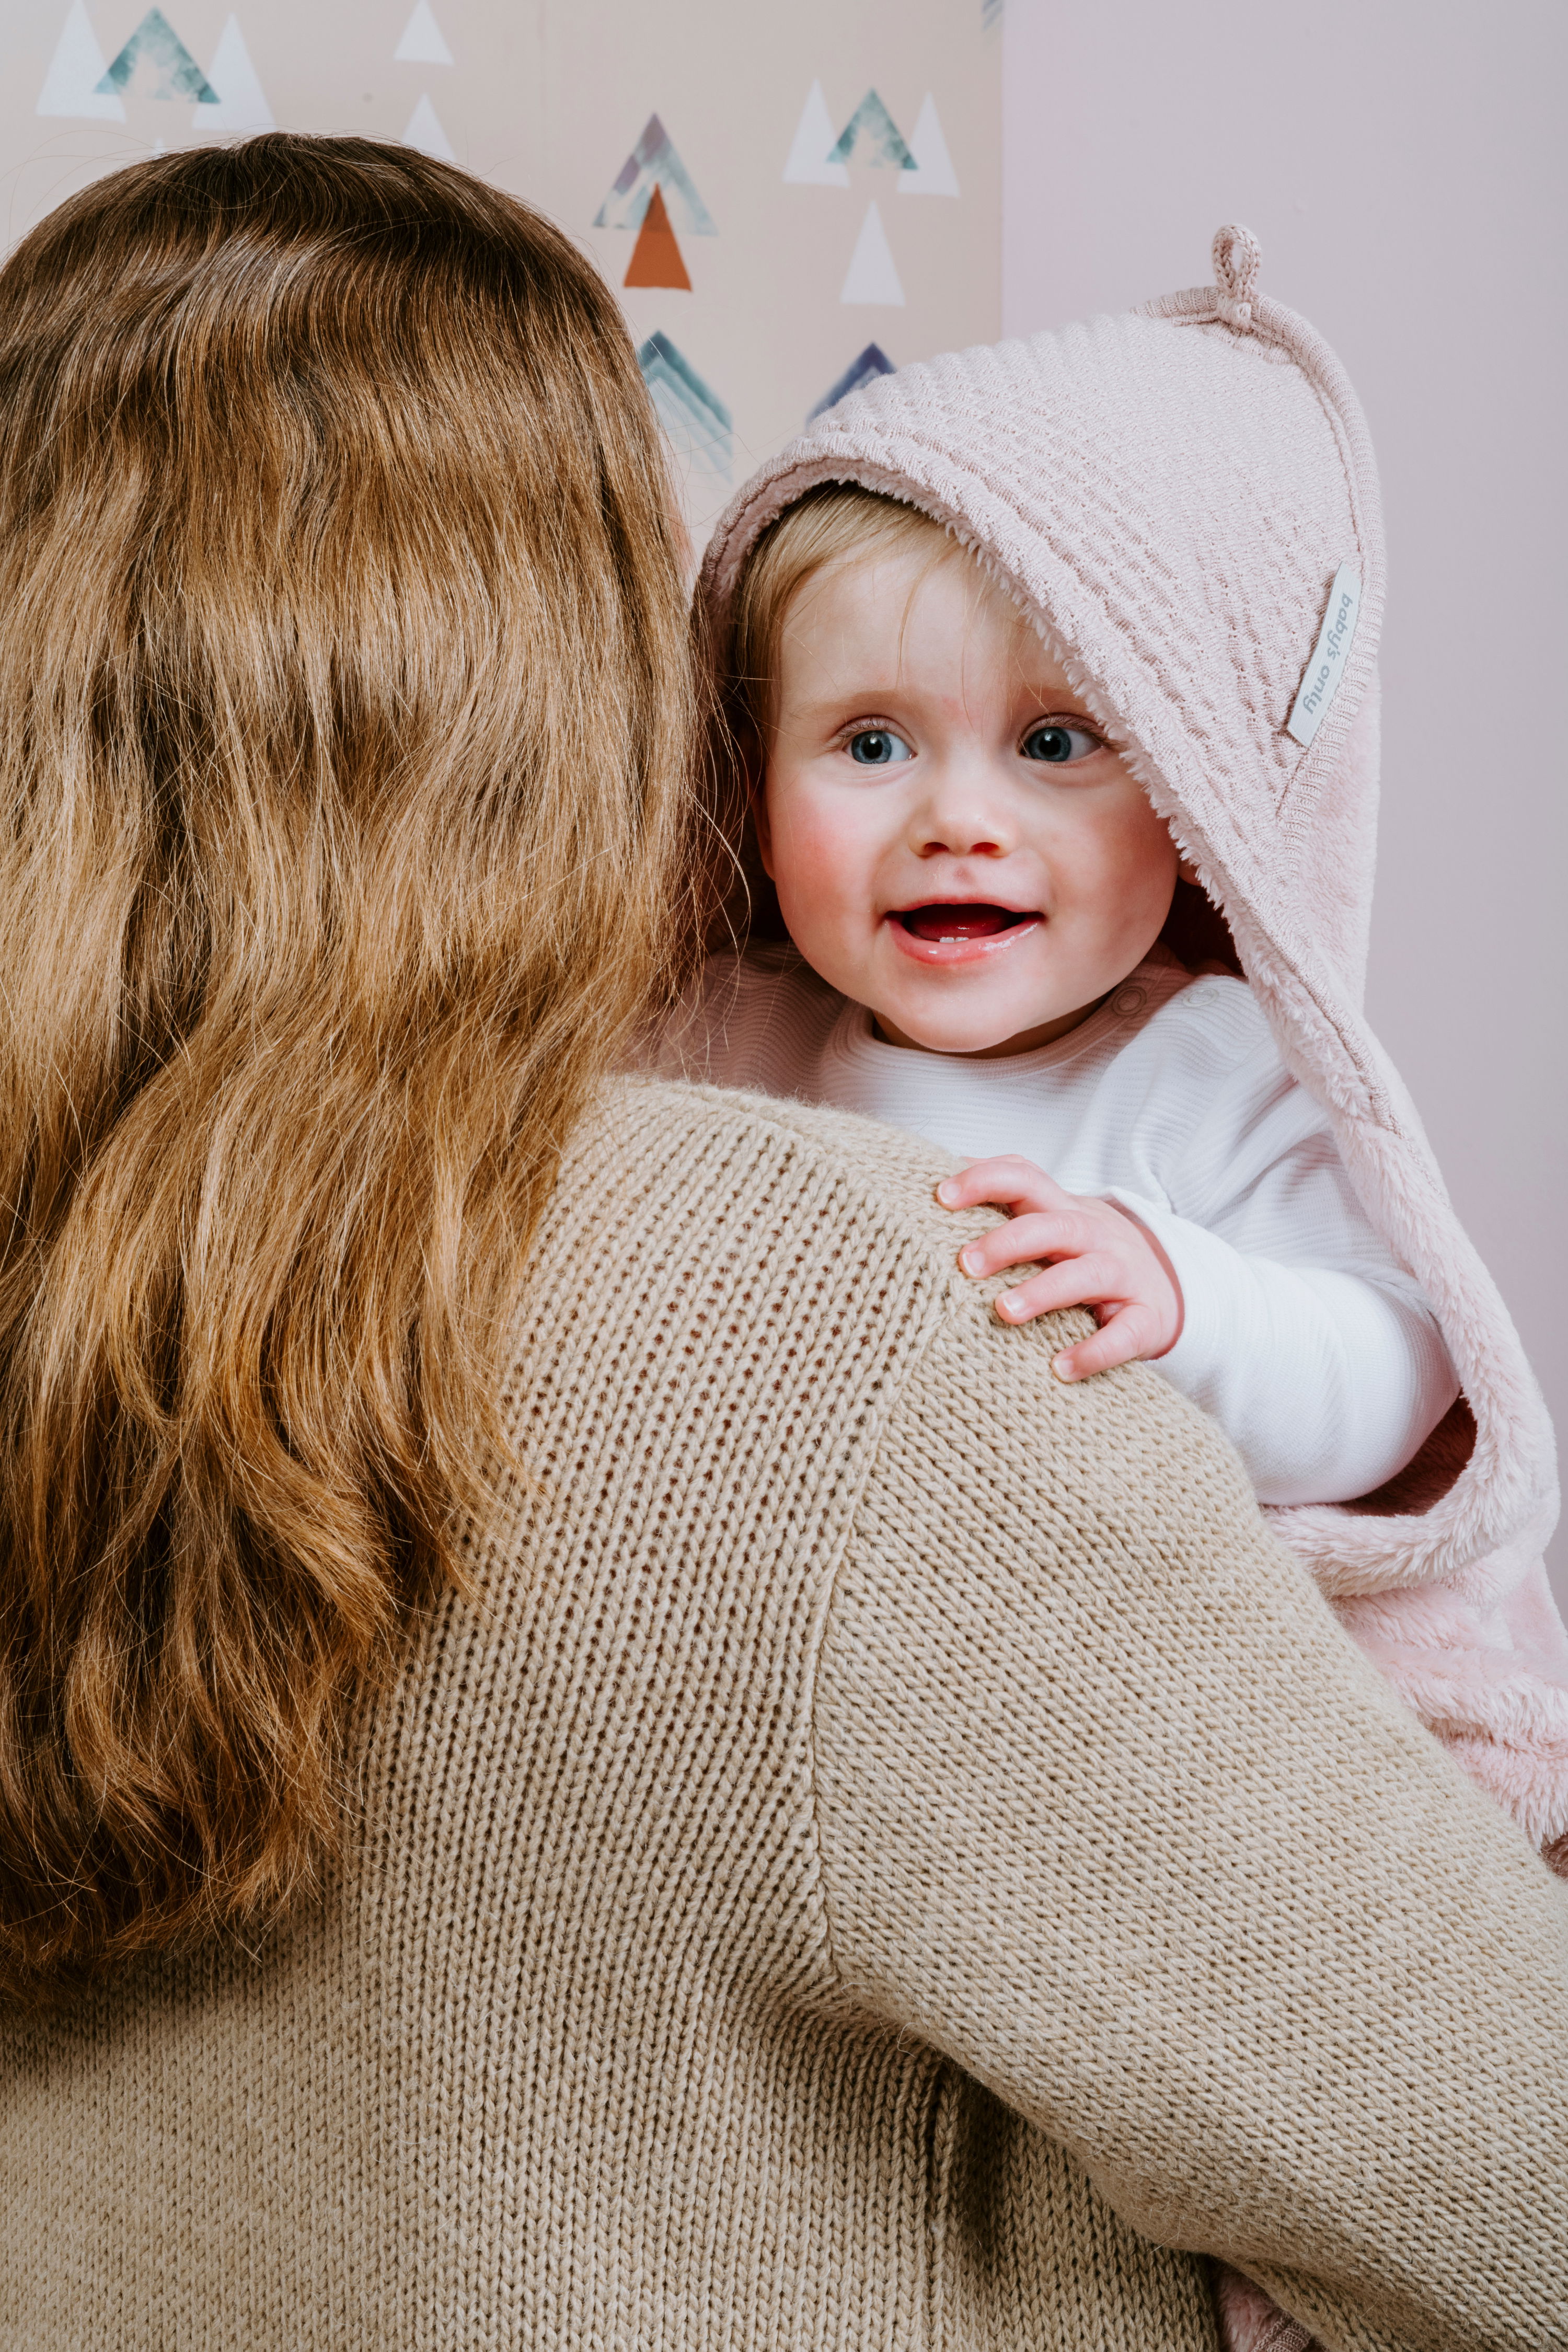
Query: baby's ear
<point x="1187" y="871"/>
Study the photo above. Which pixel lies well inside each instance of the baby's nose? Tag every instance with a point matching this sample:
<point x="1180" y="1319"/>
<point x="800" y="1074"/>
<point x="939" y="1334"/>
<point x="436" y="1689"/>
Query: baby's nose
<point x="952" y="833"/>
<point x="961" y="812"/>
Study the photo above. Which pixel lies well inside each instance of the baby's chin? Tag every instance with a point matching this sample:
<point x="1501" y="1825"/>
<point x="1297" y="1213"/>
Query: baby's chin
<point x="971" y="1033"/>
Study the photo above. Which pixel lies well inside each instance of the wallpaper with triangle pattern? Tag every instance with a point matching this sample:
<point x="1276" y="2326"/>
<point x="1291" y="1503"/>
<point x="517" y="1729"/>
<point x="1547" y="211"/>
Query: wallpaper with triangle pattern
<point x="735" y="172"/>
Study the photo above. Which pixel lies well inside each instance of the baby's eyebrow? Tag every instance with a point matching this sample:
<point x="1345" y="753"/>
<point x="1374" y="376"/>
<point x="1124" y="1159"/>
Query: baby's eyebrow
<point x="846" y="706"/>
<point x="1064" y="706"/>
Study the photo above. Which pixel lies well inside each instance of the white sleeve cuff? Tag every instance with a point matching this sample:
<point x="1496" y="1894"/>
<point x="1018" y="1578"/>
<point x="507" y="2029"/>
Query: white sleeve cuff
<point x="1325" y="1382"/>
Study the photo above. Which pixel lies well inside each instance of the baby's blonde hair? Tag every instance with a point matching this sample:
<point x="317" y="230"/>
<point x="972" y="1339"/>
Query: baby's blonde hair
<point x="833" y="522"/>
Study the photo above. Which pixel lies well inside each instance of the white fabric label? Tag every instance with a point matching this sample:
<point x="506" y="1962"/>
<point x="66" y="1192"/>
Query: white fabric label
<point x="1330" y="656"/>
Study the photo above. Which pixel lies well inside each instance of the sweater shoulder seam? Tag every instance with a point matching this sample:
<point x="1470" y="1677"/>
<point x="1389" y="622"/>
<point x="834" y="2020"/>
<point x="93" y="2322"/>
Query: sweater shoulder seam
<point x="943" y="1301"/>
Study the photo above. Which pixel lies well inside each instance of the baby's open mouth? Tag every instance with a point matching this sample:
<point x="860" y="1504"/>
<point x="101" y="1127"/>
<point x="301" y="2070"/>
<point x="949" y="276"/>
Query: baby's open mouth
<point x="951" y="924"/>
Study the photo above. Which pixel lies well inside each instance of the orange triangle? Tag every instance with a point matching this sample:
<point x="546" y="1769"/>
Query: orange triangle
<point x="655" y="257"/>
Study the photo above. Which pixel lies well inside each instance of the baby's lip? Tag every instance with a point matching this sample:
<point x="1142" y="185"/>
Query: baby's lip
<point x="959" y="930"/>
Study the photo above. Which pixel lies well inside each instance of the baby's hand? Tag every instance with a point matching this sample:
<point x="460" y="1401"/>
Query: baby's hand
<point x="1096" y="1254"/>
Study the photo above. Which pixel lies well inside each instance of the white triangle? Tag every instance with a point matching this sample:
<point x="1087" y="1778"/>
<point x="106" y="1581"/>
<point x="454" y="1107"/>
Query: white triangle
<point x="425" y="132"/>
<point x="241" y="101"/>
<point x="422" y="44"/>
<point x="872" y="276"/>
<point x="77" y="65"/>
<point x="808" y="166"/>
<point x="933" y="174"/>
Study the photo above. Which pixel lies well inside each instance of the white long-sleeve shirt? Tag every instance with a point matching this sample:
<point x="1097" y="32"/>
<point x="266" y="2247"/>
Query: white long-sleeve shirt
<point x="1302" y="1334"/>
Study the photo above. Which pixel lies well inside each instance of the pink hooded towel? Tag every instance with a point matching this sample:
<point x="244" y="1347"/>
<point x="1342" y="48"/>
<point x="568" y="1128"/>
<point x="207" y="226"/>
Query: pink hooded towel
<point x="1183" y="501"/>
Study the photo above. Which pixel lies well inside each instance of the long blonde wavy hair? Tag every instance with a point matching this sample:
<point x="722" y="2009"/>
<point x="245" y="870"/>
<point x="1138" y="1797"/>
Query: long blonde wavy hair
<point x="347" y="829"/>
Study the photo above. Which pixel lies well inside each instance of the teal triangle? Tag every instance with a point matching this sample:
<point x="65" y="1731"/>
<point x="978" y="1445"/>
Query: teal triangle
<point x="155" y="52"/>
<point x="698" y="423"/>
<point x="871" y="136"/>
<point x="661" y="362"/>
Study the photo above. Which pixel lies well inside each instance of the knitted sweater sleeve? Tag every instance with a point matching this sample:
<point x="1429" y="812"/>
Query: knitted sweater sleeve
<point x="1284" y="1983"/>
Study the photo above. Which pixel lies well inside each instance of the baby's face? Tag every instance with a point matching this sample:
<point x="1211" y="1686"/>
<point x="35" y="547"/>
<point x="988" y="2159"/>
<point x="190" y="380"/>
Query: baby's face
<point x="953" y="843"/>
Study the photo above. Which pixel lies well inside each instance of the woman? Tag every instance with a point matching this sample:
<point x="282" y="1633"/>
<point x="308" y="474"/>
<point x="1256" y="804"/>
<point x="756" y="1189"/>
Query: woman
<point x="544" y="1798"/>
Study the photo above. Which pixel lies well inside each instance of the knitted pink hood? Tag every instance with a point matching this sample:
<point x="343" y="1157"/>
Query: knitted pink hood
<point x="1184" y="500"/>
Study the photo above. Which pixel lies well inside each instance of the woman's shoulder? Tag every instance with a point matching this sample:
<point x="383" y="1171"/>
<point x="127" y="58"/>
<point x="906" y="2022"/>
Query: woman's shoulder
<point x="733" y="1223"/>
<point x="745" y="1138"/>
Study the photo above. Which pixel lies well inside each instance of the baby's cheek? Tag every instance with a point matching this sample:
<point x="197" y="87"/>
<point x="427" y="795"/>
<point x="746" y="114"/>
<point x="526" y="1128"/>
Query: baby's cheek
<point x="810" y="863"/>
<point x="824" y="873"/>
<point x="1116" y="871"/>
<point x="818" y="861"/>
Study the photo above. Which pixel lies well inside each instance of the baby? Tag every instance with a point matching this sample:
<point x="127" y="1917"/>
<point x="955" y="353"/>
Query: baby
<point x="1037" y="658"/>
<point x="975" y="887"/>
<point x="1052" y="670"/>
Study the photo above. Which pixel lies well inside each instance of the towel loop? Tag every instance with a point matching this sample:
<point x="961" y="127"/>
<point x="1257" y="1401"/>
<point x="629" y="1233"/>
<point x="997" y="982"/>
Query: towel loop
<point x="1236" y="254"/>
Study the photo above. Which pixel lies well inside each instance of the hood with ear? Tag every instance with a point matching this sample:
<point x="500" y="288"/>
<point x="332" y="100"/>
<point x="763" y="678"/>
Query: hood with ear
<point x="1184" y="500"/>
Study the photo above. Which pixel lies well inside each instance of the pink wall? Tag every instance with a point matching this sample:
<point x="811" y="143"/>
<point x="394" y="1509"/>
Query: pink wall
<point x="1405" y="169"/>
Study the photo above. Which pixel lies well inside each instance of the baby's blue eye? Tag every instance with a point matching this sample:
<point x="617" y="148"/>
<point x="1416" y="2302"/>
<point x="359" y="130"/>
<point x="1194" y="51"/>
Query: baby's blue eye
<point x="878" y="746"/>
<point x="1058" y="745"/>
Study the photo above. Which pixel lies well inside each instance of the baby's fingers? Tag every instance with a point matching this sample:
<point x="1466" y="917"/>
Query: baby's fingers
<point x="1129" y="1334"/>
<point x="1008" y="1182"/>
<point x="1076" y="1282"/>
<point x="1023" y="1238"/>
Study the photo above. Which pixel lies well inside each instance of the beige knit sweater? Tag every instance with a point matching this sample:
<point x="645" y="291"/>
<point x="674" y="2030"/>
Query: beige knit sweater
<point x="850" y="1884"/>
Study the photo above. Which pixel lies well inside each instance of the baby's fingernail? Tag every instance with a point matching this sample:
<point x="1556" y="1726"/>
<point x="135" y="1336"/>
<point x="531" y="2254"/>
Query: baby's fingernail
<point x="970" y="1260"/>
<point x="1062" y="1366"/>
<point x="945" y="1190"/>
